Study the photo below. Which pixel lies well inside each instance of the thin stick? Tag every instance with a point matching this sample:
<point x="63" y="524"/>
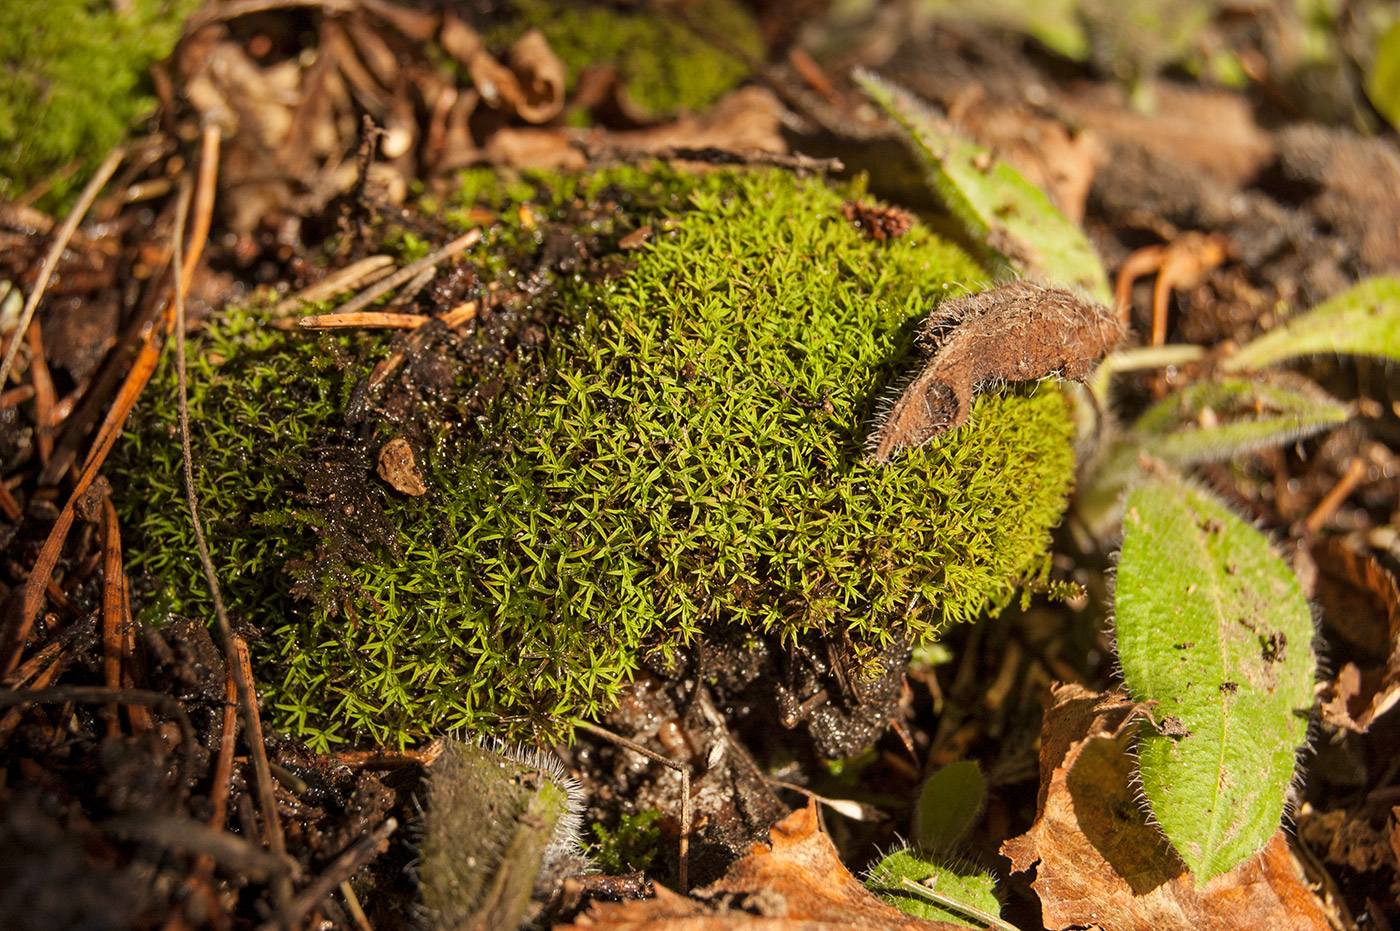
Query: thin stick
<point x="684" y="878"/>
<point x="410" y="271"/>
<point x="60" y="242"/>
<point x="236" y="854"/>
<point x="388" y="759"/>
<point x="235" y="652"/>
<point x="385" y="320"/>
<point x="203" y="870"/>
<point x="16" y="396"/>
<point x="352" y="903"/>
<point x="356" y="275"/>
<point x="281" y="889"/>
<point x="112" y="597"/>
<point x="9" y="506"/>
<point x="41" y="681"/>
<point x="369" y="318"/>
<point x="1356" y="471"/>
<point x="45" y="398"/>
<point x="345" y="866"/>
<point x="963" y="908"/>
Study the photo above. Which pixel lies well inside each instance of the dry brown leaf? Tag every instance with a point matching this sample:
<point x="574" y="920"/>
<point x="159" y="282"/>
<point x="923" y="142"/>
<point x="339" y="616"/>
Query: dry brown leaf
<point x="1100" y="864"/>
<point x="1211" y="131"/>
<point x="399" y="468"/>
<point x="1360" y="605"/>
<point x="540" y="77"/>
<point x="796" y="883"/>
<point x="746" y="120"/>
<point x="1348" y="838"/>
<point x="532" y="148"/>
<point x="531" y="86"/>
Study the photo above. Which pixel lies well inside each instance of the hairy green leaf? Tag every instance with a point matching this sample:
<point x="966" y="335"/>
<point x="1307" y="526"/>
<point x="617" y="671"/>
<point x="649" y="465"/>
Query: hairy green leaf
<point x="496" y="818"/>
<point x="953" y="891"/>
<point x="1213" y="628"/>
<point x="1361" y="321"/>
<point x="948" y="804"/>
<point x="1207" y="421"/>
<point x="1212" y="420"/>
<point x="1011" y="216"/>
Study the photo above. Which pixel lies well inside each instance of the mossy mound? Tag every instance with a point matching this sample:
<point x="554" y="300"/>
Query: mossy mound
<point x="689" y="453"/>
<point x="663" y="64"/>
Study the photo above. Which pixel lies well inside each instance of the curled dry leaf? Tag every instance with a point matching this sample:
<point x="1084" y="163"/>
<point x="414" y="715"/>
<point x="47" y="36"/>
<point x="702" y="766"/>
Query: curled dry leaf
<point x="797" y="882"/>
<point x="531" y="86"/>
<point x="749" y="119"/>
<point x="1016" y="332"/>
<point x="1100" y="864"/>
<point x="1360" y="605"/>
<point x="540" y="77"/>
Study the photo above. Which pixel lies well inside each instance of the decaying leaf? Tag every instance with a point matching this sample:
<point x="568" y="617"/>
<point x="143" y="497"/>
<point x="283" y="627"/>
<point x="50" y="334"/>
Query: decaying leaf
<point x="398" y="467"/>
<point x="1016" y="332"/>
<point x="1360" y="605"/>
<point x="796" y="883"/>
<point x="1099" y="862"/>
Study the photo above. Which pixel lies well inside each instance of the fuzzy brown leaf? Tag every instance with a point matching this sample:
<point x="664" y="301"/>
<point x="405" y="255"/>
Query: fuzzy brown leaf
<point x="1019" y="331"/>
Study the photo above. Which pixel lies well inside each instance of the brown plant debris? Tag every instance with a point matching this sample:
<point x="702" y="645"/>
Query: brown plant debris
<point x="877" y="223"/>
<point x="1019" y="331"/>
<point x="796" y="882"/>
<point x="398" y="467"/>
<point x="1096" y="854"/>
<point x="1360" y="606"/>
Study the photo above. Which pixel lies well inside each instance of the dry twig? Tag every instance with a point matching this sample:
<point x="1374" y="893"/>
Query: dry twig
<point x="683" y="880"/>
<point x="60" y="242"/>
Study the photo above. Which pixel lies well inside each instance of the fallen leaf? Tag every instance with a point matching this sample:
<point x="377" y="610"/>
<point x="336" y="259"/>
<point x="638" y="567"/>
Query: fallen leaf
<point x="797" y="882"/>
<point x="749" y="119"/>
<point x="1100" y="864"/>
<point x="1361" y="606"/>
<point x="1348" y="838"/>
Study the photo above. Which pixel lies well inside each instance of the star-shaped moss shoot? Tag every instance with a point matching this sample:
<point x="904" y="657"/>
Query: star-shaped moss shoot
<point x="689" y="452"/>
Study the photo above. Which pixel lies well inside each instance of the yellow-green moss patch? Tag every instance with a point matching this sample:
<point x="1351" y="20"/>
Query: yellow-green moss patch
<point x="689" y="453"/>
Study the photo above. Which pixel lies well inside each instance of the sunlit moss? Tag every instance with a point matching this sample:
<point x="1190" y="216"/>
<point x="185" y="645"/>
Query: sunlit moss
<point x="73" y="77"/>
<point x="688" y="453"/>
<point x="663" y="64"/>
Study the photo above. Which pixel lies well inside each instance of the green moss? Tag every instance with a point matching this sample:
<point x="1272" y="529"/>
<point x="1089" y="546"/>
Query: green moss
<point x="629" y="849"/>
<point x="72" y="77"/>
<point x="664" y="65"/>
<point x="690" y="453"/>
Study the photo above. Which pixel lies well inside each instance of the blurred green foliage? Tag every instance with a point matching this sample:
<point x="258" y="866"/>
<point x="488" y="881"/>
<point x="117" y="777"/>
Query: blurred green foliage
<point x="73" y="79"/>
